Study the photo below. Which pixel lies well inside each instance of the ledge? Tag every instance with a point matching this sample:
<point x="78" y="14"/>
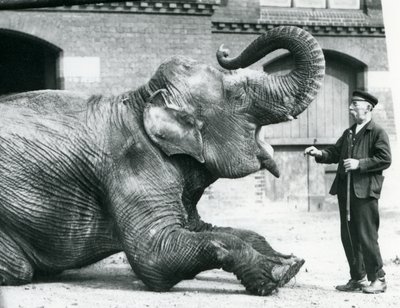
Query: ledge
<point x="322" y="17"/>
<point x="145" y="7"/>
<point x="316" y="30"/>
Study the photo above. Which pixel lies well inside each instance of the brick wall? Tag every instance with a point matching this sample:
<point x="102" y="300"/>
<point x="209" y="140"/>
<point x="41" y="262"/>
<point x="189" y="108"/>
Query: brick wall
<point x="129" y="46"/>
<point x="237" y="10"/>
<point x="302" y="16"/>
<point x="235" y="192"/>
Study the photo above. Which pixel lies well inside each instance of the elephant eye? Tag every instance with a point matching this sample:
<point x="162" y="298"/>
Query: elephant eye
<point x="236" y="94"/>
<point x="160" y="135"/>
<point x="188" y="119"/>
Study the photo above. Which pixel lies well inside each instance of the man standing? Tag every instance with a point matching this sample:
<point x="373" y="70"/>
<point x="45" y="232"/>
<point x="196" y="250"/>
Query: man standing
<point x="369" y="147"/>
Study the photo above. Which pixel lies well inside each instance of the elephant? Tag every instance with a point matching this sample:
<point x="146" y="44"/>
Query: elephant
<point x="83" y="177"/>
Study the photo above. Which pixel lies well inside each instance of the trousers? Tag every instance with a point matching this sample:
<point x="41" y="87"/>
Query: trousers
<point x="360" y="235"/>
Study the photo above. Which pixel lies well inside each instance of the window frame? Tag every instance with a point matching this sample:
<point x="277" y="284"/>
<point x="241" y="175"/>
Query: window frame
<point x="293" y="4"/>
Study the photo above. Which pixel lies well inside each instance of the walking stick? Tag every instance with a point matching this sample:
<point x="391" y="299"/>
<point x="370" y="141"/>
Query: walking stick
<point x="349" y="144"/>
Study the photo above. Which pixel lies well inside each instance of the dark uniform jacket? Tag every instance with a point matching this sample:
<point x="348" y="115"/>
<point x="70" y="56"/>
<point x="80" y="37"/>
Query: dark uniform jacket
<point x="371" y="147"/>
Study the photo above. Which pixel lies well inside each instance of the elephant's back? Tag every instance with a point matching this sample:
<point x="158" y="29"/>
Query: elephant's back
<point x="47" y="101"/>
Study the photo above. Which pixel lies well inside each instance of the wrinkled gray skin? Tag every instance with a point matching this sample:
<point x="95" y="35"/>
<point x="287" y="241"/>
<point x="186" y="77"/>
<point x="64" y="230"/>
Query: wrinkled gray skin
<point x="81" y="179"/>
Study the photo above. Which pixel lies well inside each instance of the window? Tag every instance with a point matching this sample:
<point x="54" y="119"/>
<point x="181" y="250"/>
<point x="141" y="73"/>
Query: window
<point x="319" y="4"/>
<point x="322" y="4"/>
<point x="282" y="3"/>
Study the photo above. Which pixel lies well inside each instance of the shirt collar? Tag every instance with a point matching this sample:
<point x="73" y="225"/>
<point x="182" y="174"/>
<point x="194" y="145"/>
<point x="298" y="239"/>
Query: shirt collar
<point x="363" y="124"/>
<point x="370" y="125"/>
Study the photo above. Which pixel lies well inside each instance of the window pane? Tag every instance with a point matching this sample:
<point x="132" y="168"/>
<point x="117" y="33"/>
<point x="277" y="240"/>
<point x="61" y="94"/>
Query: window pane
<point x="344" y="4"/>
<point x="283" y="3"/>
<point x="310" y="3"/>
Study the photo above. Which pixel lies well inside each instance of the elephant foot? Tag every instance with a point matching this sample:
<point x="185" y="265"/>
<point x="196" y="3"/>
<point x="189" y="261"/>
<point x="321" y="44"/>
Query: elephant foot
<point x="264" y="277"/>
<point x="258" y="278"/>
<point x="288" y="271"/>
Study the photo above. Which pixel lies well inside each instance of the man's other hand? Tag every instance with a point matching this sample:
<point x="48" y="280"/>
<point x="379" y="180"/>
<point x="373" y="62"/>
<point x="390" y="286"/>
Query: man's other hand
<point x="351" y="164"/>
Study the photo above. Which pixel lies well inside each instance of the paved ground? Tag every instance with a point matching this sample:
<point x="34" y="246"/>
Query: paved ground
<point x="313" y="236"/>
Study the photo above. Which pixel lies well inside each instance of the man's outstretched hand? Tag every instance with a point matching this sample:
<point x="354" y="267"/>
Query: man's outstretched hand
<point x="313" y="151"/>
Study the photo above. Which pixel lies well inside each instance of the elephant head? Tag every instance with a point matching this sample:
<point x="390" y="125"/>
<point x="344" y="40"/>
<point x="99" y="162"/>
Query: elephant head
<point x="216" y="115"/>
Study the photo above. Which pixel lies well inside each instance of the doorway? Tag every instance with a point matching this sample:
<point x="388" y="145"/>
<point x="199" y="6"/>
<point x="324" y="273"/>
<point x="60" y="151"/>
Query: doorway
<point x="302" y="181"/>
<point x="27" y="63"/>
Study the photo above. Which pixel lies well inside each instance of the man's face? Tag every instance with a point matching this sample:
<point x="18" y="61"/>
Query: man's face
<point x="359" y="109"/>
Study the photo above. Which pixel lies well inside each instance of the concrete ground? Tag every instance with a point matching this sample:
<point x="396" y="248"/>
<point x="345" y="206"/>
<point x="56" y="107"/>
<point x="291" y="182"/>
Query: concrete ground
<point x="313" y="236"/>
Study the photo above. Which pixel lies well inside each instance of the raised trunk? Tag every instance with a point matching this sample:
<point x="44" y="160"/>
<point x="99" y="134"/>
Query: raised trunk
<point x="280" y="98"/>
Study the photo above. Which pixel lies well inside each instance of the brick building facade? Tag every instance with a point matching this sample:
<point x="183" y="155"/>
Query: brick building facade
<point x="111" y="48"/>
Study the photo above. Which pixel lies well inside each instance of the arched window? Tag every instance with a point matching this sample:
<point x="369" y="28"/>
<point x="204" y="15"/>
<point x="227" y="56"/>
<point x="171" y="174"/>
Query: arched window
<point x="27" y="63"/>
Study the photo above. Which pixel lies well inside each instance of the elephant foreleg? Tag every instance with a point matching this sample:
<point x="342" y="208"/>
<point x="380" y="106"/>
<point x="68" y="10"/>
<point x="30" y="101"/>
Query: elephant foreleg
<point x="15" y="269"/>
<point x="260" y="244"/>
<point x="170" y="256"/>
<point x="255" y="240"/>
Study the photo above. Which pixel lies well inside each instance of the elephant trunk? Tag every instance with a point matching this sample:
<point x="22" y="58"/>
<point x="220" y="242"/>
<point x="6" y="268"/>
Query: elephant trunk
<point x="280" y="98"/>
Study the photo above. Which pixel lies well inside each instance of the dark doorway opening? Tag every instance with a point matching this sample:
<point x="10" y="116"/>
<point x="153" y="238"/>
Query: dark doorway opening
<point x="27" y="63"/>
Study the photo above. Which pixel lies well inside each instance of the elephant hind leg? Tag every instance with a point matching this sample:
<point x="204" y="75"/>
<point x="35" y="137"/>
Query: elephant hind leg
<point x="15" y="269"/>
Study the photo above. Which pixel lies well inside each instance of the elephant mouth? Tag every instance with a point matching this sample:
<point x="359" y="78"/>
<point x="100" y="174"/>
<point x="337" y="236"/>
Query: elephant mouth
<point x="265" y="155"/>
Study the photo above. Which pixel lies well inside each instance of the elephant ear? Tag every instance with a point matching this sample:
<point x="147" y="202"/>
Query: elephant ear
<point x="174" y="131"/>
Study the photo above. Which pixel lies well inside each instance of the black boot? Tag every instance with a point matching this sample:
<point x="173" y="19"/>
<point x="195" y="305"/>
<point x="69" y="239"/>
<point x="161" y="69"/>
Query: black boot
<point x="353" y="285"/>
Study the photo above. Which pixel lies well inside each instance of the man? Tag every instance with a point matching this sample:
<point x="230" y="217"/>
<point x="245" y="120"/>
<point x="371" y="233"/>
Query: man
<point x="370" y="154"/>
